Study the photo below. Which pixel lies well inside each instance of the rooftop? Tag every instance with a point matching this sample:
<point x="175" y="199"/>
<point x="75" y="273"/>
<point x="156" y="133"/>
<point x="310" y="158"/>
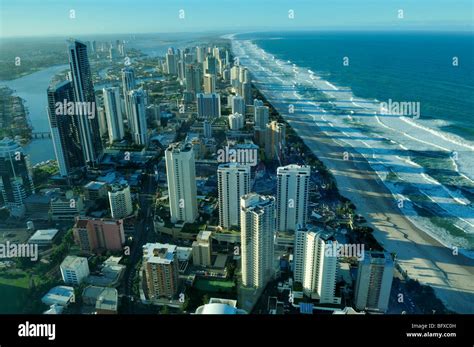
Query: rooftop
<point x="95" y="185"/>
<point x="43" y="235"/>
<point x="159" y="253"/>
<point x="220" y="306"/>
<point x="60" y="295"/>
<point x="204" y="235"/>
<point x="105" y="298"/>
<point x="72" y="260"/>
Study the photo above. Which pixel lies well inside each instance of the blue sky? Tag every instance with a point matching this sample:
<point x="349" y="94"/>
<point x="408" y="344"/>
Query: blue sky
<point x="52" y="17"/>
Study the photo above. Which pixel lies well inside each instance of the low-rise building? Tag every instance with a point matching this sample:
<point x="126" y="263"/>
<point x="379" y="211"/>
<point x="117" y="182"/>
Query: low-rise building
<point x="202" y="249"/>
<point x="74" y="269"/>
<point x="110" y="273"/>
<point x="96" y="235"/>
<point x="38" y="204"/>
<point x="104" y="300"/>
<point x="95" y="190"/>
<point x="43" y="237"/>
<point x="59" y="295"/>
<point x="66" y="207"/>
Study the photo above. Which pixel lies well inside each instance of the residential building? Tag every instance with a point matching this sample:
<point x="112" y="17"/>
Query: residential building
<point x="138" y="117"/>
<point x="113" y="111"/>
<point x="161" y="270"/>
<point x="292" y="196"/>
<point x="97" y="235"/>
<point x="181" y="178"/>
<point x="233" y="181"/>
<point x="315" y="268"/>
<point x="74" y="269"/>
<point x="208" y="105"/>
<point x="257" y="230"/>
<point x="374" y="281"/>
<point x="120" y="200"/>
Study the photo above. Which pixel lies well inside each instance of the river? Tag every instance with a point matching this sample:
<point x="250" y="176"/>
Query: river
<point x="32" y="89"/>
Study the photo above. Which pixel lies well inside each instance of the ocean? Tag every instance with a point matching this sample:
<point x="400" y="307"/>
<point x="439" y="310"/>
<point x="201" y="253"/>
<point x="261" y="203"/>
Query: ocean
<point x="403" y="66"/>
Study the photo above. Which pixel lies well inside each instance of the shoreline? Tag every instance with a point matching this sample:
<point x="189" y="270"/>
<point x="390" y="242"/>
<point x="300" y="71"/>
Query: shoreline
<point x="419" y="254"/>
<point x="436" y="202"/>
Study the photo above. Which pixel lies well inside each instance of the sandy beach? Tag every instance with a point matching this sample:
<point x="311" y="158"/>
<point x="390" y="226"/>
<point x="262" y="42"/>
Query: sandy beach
<point x="424" y="258"/>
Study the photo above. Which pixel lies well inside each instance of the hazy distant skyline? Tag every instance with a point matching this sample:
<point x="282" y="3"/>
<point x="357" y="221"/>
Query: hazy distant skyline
<point x="52" y="17"/>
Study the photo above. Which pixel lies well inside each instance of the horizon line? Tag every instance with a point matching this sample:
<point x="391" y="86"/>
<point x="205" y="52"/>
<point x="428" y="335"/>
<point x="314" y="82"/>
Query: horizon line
<point x="468" y="29"/>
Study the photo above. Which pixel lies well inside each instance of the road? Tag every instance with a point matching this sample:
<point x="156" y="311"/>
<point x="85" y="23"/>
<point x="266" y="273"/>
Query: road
<point x="142" y="228"/>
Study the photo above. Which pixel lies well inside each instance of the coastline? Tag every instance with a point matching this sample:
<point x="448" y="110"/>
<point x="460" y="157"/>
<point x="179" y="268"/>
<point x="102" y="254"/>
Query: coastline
<point x="419" y="254"/>
<point x="429" y="170"/>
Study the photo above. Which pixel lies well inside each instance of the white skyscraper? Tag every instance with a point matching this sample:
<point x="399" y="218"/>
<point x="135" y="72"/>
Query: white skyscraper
<point x="257" y="228"/>
<point x="209" y="83"/>
<point x="120" y="200"/>
<point x="238" y="105"/>
<point x="315" y="268"/>
<point x="208" y="105"/>
<point x="128" y="84"/>
<point x="374" y="281"/>
<point x="261" y="117"/>
<point x="236" y="121"/>
<point x="275" y="139"/>
<point x="113" y="111"/>
<point x="181" y="176"/>
<point x="200" y="54"/>
<point x="233" y="181"/>
<point x="139" y="126"/>
<point x="292" y="196"/>
<point x="244" y="75"/>
<point x="234" y="77"/>
<point x="171" y="62"/>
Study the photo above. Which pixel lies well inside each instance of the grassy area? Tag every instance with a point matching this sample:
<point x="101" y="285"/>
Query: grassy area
<point x="214" y="286"/>
<point x="14" y="288"/>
